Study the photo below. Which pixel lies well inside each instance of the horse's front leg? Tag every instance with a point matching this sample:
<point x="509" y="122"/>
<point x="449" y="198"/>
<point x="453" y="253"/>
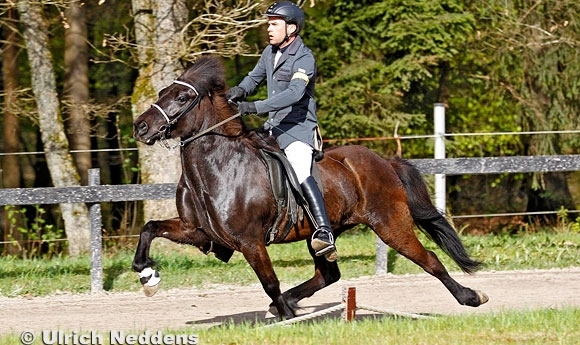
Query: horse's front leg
<point x="142" y="263"/>
<point x="257" y="256"/>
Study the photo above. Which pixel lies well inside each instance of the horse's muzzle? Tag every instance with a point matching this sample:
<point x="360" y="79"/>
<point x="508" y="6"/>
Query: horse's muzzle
<point x="140" y="129"/>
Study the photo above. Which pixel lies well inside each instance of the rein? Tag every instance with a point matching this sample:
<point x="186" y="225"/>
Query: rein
<point x="166" y="128"/>
<point x="207" y="130"/>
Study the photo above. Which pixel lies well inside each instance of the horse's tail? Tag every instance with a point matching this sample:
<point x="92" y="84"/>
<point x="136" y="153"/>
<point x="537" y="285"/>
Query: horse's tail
<point x="428" y="219"/>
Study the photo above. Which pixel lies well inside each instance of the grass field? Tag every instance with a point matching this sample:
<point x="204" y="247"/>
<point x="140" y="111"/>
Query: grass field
<point x="183" y="266"/>
<point x="541" y="327"/>
<point x="531" y="327"/>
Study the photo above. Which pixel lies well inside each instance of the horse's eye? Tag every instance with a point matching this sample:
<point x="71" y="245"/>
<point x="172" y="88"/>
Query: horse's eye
<point x="181" y="98"/>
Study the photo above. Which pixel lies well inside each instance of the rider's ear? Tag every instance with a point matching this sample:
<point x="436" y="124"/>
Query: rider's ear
<point x="292" y="28"/>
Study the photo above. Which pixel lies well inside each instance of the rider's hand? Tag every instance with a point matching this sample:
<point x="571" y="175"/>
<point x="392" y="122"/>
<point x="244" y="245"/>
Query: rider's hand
<point x="246" y="108"/>
<point x="236" y="93"/>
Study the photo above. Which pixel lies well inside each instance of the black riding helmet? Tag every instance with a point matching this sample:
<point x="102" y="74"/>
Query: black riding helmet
<point x="291" y="13"/>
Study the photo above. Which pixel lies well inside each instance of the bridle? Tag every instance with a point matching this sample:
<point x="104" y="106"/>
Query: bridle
<point x="195" y="101"/>
<point x="165" y="130"/>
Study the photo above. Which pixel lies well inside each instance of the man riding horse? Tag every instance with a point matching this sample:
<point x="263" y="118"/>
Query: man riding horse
<point x="289" y="68"/>
<point x="217" y="209"/>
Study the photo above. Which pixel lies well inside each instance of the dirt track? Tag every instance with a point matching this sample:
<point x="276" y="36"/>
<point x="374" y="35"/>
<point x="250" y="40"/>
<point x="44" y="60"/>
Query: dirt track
<point x="203" y="308"/>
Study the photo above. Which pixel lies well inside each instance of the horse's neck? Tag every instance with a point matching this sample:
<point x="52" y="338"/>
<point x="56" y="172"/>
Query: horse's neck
<point x="215" y="171"/>
<point x="216" y="153"/>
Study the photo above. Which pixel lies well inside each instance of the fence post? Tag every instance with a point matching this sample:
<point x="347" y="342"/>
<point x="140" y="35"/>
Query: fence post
<point x="381" y="260"/>
<point x="439" y="122"/>
<point x="96" y="237"/>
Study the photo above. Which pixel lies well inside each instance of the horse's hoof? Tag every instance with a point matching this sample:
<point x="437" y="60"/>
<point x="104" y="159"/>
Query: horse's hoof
<point x="483" y="298"/>
<point x="150" y="290"/>
<point x="272" y="312"/>
<point x="150" y="280"/>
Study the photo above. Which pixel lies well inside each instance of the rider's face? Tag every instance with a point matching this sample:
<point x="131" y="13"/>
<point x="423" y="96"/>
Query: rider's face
<point x="277" y="29"/>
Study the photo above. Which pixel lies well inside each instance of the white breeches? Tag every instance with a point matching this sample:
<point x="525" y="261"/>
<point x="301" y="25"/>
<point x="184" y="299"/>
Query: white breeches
<point x="300" y="157"/>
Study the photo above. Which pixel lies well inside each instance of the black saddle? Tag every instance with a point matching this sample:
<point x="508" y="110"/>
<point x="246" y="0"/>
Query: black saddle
<point x="288" y="194"/>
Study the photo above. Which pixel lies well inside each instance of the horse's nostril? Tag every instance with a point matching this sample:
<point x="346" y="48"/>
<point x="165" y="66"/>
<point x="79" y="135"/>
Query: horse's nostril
<point x="141" y="128"/>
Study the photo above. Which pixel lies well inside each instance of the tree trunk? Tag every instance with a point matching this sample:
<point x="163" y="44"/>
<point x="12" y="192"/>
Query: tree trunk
<point x="10" y="163"/>
<point x="552" y="196"/>
<point x="157" y="32"/>
<point x="76" y="88"/>
<point x="56" y="149"/>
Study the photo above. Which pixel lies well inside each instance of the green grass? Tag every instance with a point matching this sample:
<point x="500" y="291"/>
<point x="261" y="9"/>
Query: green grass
<point x="542" y="327"/>
<point x="530" y="327"/>
<point x="183" y="266"/>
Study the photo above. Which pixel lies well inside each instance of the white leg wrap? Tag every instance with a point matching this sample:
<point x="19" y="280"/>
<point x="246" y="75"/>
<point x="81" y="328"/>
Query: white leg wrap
<point x="148" y="271"/>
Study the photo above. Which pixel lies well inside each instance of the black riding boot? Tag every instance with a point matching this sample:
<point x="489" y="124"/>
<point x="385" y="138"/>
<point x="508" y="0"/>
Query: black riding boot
<point x="322" y="238"/>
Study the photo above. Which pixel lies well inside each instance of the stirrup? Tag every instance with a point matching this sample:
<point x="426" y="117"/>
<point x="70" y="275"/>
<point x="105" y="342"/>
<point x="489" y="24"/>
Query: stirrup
<point x="329" y="252"/>
<point x="322" y="247"/>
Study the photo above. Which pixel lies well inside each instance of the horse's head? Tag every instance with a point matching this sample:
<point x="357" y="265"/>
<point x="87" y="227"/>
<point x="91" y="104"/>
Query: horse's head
<point x="186" y="105"/>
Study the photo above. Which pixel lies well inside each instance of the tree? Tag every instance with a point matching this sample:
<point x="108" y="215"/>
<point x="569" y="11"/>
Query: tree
<point x="373" y="54"/>
<point x="10" y="163"/>
<point x="531" y="52"/>
<point x="157" y="28"/>
<point x="165" y="41"/>
<point x="55" y="144"/>
<point x="76" y="87"/>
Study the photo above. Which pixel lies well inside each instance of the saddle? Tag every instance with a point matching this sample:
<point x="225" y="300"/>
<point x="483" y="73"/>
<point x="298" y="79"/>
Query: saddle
<point x="290" y="201"/>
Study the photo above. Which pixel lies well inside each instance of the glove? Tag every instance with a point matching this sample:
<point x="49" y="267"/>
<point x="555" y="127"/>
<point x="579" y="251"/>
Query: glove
<point x="246" y="108"/>
<point x="236" y="93"/>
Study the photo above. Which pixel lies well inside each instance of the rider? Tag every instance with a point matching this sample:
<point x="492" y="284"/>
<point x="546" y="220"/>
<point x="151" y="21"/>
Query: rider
<point x="289" y="68"/>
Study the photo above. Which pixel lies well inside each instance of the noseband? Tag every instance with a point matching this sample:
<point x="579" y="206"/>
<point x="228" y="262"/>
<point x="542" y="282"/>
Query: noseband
<point x="164" y="130"/>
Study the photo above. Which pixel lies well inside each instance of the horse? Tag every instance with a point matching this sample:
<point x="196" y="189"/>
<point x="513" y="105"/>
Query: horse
<point x="225" y="201"/>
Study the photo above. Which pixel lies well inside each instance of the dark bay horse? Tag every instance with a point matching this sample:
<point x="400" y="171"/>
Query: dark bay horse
<point x="225" y="201"/>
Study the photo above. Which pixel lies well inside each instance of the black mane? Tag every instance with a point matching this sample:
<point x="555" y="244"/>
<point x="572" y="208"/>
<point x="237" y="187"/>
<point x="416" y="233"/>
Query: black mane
<point x="207" y="74"/>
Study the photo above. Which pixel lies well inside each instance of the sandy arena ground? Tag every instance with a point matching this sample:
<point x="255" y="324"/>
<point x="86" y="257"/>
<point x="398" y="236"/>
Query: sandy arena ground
<point x="177" y="308"/>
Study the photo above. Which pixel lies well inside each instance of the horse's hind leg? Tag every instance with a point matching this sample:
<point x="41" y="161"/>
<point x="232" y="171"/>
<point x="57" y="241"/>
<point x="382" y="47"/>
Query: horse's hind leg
<point x="397" y="232"/>
<point x="325" y="274"/>
<point x="258" y="258"/>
